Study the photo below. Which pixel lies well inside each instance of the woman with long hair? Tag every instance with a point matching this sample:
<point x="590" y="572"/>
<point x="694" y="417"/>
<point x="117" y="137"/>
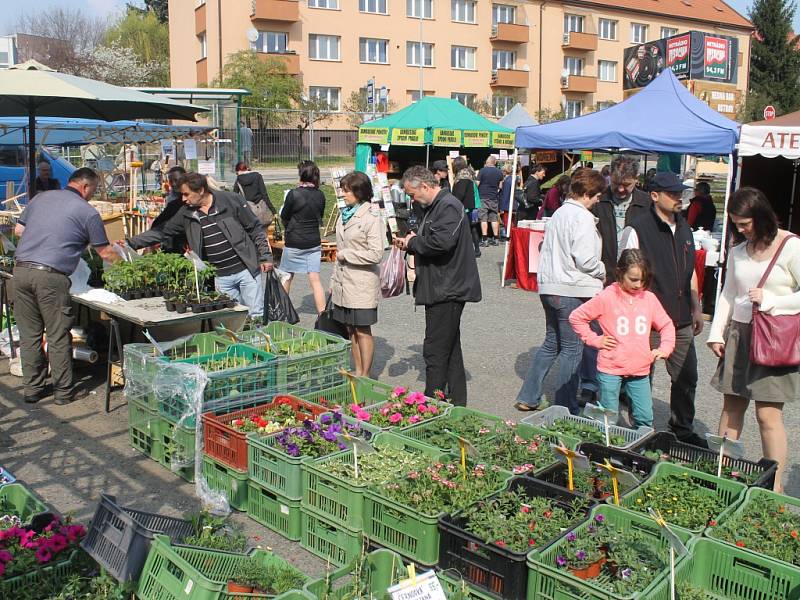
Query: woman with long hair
<point x="464" y="190"/>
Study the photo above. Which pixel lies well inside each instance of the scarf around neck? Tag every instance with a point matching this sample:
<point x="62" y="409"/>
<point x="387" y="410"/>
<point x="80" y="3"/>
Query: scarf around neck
<point x="349" y="211"/>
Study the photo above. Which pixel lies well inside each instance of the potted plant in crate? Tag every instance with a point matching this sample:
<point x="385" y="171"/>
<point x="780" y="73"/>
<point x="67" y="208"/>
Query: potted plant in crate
<point x="584" y="556"/>
<point x="248" y="574"/>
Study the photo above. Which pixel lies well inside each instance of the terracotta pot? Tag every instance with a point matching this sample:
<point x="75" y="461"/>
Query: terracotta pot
<point x="238" y="588"/>
<point x="591" y="571"/>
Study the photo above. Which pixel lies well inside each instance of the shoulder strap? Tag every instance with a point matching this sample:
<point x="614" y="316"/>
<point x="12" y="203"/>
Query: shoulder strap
<point x="774" y="259"/>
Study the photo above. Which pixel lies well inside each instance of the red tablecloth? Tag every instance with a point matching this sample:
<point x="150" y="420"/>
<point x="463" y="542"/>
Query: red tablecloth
<point x="517" y="265"/>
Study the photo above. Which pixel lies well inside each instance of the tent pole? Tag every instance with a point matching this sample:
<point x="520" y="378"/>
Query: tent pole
<point x="510" y="218"/>
<point x="791" y="198"/>
<point x="732" y="158"/>
<point x="31" y="149"/>
<point x="427" y="156"/>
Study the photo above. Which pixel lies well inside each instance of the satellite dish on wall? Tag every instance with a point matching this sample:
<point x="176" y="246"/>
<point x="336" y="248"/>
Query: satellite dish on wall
<point x="252" y="34"/>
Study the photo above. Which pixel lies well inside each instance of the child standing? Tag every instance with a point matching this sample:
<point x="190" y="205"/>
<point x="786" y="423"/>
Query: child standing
<point x="627" y="312"/>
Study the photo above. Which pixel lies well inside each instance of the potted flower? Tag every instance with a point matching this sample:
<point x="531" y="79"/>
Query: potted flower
<point x="314" y="439"/>
<point x="248" y="575"/>
<point x="402" y="409"/>
<point x="510" y="450"/>
<point x="584" y="555"/>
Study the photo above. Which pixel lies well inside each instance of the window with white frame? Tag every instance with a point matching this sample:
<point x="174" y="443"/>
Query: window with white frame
<point x="271" y="41"/>
<point x="605" y="104"/>
<point x="607" y="29"/>
<point x="419" y="54"/>
<point x="415" y="95"/>
<point x="328" y="95"/>
<point x="323" y="47"/>
<point x="573" y="23"/>
<point x="373" y="51"/>
<point x="503" y="13"/>
<point x="419" y="9"/>
<point x="503" y="59"/>
<point x="373" y="6"/>
<point x="462" y="11"/>
<point x="607" y="70"/>
<point x="668" y="32"/>
<point x="638" y="33"/>
<point x="467" y="100"/>
<point x="573" y="65"/>
<point x="331" y="4"/>
<point x="462" y="57"/>
<point x="573" y="108"/>
<point x="201" y="39"/>
<point x="501" y="105"/>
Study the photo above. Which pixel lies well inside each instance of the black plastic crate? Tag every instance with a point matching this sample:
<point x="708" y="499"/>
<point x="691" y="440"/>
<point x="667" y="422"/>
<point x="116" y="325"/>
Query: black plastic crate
<point x="494" y="571"/>
<point x="119" y="538"/>
<point x="681" y="452"/>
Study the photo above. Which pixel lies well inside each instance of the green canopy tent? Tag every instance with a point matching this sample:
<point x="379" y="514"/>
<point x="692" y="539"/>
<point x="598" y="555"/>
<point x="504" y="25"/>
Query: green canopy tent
<point x="432" y="122"/>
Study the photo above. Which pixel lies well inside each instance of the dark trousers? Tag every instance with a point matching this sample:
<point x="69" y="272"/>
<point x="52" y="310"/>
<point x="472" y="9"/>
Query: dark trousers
<point x="42" y="304"/>
<point x="444" y="363"/>
<point x="682" y="369"/>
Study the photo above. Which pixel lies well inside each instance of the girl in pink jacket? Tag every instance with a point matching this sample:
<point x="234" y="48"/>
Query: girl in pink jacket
<point x="627" y="313"/>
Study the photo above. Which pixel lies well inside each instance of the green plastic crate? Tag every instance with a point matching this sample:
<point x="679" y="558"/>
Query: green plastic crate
<point x="200" y="344"/>
<point x="422" y="431"/>
<point x="227" y="480"/>
<point x="19" y="501"/>
<point x="455" y="588"/>
<point x="274" y="511"/>
<point x="731" y="492"/>
<point x="144" y="429"/>
<point x="379" y="570"/>
<point x="174" y="572"/>
<point x="728" y="573"/>
<point x="546" y="581"/>
<point x="792" y="503"/>
<point x="176" y="449"/>
<point x="342" y="500"/>
<point x="329" y="541"/>
<point x="50" y="578"/>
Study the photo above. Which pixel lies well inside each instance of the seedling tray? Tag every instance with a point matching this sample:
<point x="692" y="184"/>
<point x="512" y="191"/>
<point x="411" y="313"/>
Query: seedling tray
<point x="144" y="429"/>
<point x="19" y="501"/>
<point x="545" y="419"/>
<point x="423" y="431"/>
<point x="50" y="577"/>
<point x="368" y="392"/>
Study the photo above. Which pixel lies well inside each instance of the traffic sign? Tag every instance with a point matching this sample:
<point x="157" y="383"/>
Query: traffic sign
<point x="769" y="112"/>
<point x="370" y="92"/>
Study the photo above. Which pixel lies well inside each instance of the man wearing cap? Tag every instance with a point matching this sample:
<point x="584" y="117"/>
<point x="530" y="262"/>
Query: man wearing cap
<point x="666" y="240"/>
<point x="441" y="171"/>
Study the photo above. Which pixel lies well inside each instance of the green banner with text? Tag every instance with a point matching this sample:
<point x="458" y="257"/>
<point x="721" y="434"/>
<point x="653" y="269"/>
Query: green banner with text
<point x="408" y="137"/>
<point x="447" y="137"/>
<point x="373" y="135"/>
<point x="476" y="139"/>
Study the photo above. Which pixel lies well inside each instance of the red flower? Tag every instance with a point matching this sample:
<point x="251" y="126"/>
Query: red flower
<point x="525" y="509"/>
<point x="712" y="523"/>
<point x="548" y="514"/>
<point x="531" y="543"/>
<point x="793" y="533"/>
<point x="740" y="543"/>
<point x="501" y="543"/>
<point x="43" y="555"/>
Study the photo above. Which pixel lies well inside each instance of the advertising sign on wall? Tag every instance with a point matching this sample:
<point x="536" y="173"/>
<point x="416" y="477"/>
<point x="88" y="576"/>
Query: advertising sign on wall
<point x="715" y="58"/>
<point x="502" y="140"/>
<point x="678" y="52"/>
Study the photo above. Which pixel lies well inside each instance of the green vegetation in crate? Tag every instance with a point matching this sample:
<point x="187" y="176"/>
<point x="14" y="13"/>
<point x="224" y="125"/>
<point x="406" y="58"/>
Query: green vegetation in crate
<point x="368" y="576"/>
<point x="179" y="444"/>
<point x="708" y="465"/>
<point x="518" y="522"/>
<point x="403" y="408"/>
<point x="475" y="426"/>
<point x="270" y="420"/>
<point x="518" y="448"/>
<point x="594" y="482"/>
<point x="274" y="511"/>
<point x="584" y="432"/>
<point x="266" y="579"/>
<point x="227" y="480"/>
<point x="330" y="541"/>
<point x="201" y="344"/>
<point x="234" y="357"/>
<point x="765" y="523"/>
<point x="82" y="583"/>
<point x="367" y="392"/>
<point x="215" y="533"/>
<point x="18" y="501"/>
<point x="686" y="498"/>
<point x="189" y="573"/>
<point x="159" y="271"/>
<point x="333" y="490"/>
<point x="615" y="554"/>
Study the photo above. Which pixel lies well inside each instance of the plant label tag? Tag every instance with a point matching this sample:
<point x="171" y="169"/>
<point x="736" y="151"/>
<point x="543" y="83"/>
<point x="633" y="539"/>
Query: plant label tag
<point x="156" y="345"/>
<point x="726" y="446"/>
<point x="593" y="411"/>
<point x="674" y="541"/>
<point x="188" y="589"/>
<point x="467" y="446"/>
<point x="284" y="509"/>
<point x="423" y="587"/>
<point x="357" y="444"/>
<point x="564" y="455"/>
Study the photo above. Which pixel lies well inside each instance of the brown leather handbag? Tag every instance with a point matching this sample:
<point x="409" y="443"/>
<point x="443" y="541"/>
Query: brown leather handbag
<point x="775" y="340"/>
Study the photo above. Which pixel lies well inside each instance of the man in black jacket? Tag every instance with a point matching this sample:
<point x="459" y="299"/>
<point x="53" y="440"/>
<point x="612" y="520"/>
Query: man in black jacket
<point x="447" y="278"/>
<point x="221" y="229"/>
<point x="619" y="205"/>
<point x="172" y="204"/>
<point x="533" y="194"/>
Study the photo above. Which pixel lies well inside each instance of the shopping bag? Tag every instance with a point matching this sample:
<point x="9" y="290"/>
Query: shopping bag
<point x="277" y="304"/>
<point x="326" y="322"/>
<point x="393" y="274"/>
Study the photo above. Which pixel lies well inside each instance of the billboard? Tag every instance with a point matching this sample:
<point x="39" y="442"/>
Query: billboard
<point x="692" y="55"/>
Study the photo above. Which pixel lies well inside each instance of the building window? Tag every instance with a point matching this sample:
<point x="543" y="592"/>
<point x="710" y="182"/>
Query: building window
<point x="415" y="94"/>
<point x="462" y="11"/>
<point x="419" y="9"/>
<point x="467" y="100"/>
<point x="573" y="108"/>
<point x="201" y="39"/>
<point x="419" y="54"/>
<point x="502" y="13"/>
<point x="271" y="41"/>
<point x="462" y="57"/>
<point x="501" y="105"/>
<point x="503" y="59"/>
<point x="604" y="105"/>
<point x="332" y="4"/>
<point x="668" y="32"/>
<point x="608" y="29"/>
<point x="328" y="95"/>
<point x="373" y="6"/>
<point x="373" y="51"/>
<point x="638" y="33"/>
<point x="323" y="47"/>
<point x="573" y="65"/>
<point x="573" y="23"/>
<point x="607" y="69"/>
<point x="4" y="63"/>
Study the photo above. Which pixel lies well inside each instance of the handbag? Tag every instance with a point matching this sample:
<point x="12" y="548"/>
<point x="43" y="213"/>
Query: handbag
<point x="393" y="274"/>
<point x="325" y="321"/>
<point x="775" y="340"/>
<point x="260" y="208"/>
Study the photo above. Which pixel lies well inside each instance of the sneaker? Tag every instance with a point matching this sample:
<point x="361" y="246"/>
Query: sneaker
<point x="586" y="397"/>
<point x="694" y="440"/>
<point x="493" y="242"/>
<point x="37" y="396"/>
<point x="483" y="244"/>
<point x="477" y="252"/>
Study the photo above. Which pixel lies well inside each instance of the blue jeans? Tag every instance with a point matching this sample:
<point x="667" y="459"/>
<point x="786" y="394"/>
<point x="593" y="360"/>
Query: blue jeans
<point x="245" y="289"/>
<point x="560" y="341"/>
<point x="589" y="363"/>
<point x="638" y="390"/>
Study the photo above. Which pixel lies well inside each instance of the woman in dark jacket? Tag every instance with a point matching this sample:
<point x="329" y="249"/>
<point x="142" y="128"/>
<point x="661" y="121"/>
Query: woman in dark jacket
<point x="302" y="215"/>
<point x="464" y="190"/>
<point x="250" y="184"/>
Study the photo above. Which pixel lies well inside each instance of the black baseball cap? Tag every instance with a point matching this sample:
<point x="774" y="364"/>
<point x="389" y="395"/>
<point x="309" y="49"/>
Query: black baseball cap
<point x="666" y="181"/>
<point x="439" y="165"/>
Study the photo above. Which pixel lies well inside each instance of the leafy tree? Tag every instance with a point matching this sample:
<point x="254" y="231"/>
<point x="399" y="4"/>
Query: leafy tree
<point x="775" y="59"/>
<point x="549" y="115"/>
<point x="147" y="38"/>
<point x="157" y="7"/>
<point x="359" y="112"/>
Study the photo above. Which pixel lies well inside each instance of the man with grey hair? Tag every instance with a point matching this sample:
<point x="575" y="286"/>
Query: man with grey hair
<point x="447" y="278"/>
<point x="489" y="180"/>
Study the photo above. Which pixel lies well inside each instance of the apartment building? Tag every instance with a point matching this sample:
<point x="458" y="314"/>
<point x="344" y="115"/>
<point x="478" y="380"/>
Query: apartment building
<point x="546" y="54"/>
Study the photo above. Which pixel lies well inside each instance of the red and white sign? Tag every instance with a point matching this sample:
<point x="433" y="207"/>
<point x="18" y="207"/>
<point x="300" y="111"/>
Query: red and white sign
<point x="678" y="53"/>
<point x="769" y="112"/>
<point x="716" y="57"/>
<point x="770" y="141"/>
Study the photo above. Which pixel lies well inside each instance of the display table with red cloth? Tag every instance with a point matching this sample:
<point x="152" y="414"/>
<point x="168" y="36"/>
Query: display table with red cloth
<point x="524" y="244"/>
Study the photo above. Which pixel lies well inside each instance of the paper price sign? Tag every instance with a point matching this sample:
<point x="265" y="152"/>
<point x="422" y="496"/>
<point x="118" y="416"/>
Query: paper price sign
<point x="502" y="140"/>
<point x="446" y="137"/>
<point x="423" y="587"/>
<point x="408" y="137"/>
<point x="373" y="135"/>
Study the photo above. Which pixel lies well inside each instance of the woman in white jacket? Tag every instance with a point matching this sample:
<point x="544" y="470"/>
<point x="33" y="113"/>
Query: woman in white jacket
<point x="570" y="272"/>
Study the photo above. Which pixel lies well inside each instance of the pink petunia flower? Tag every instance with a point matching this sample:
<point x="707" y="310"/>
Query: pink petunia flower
<point x="399" y="391"/>
<point x="43" y="555"/>
<point x="416" y="397"/>
<point x="422" y="408"/>
<point x="363" y="415"/>
<point x="58" y="543"/>
<point x="432" y="409"/>
<point x="5" y="556"/>
<point x="395" y="418"/>
<point x="385" y="410"/>
<point x="409" y="400"/>
<point x="414" y="419"/>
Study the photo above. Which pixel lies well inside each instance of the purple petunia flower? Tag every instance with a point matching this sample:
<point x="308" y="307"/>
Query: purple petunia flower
<point x="325" y="419"/>
<point x="328" y="436"/>
<point x="591" y="529"/>
<point x="571" y="537"/>
<point x="337" y="417"/>
<point x="293" y="450"/>
<point x="580" y="555"/>
<point x="599" y="518"/>
<point x="626" y="573"/>
<point x="342" y="446"/>
<point x="561" y="561"/>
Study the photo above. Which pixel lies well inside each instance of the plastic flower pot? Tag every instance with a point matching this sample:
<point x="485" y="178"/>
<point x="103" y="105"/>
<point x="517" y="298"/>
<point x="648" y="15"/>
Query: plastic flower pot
<point x="180" y="307"/>
<point x="238" y="588"/>
<point x="170" y="305"/>
<point x="591" y="571"/>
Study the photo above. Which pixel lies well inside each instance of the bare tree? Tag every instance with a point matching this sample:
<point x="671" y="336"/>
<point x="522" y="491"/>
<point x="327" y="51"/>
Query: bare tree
<point x="66" y="37"/>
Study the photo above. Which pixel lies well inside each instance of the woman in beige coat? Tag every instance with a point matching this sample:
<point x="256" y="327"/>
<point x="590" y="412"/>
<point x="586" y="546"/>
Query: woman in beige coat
<point x="355" y="284"/>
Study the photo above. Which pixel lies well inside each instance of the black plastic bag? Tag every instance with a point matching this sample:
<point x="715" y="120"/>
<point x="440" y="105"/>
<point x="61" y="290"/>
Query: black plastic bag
<point x="326" y="322"/>
<point x="277" y="304"/>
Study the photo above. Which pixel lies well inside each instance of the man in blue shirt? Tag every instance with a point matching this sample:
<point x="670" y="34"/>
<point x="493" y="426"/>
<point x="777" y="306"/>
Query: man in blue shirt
<point x="55" y="229"/>
<point x="489" y="179"/>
